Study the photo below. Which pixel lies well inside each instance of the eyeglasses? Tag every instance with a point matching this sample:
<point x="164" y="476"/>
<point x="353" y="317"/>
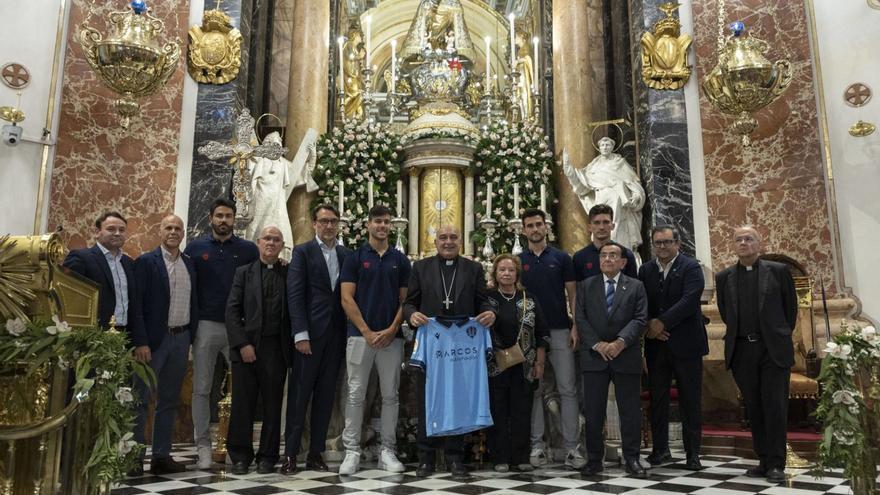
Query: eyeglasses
<point x="664" y="242"/>
<point x="328" y="221"/>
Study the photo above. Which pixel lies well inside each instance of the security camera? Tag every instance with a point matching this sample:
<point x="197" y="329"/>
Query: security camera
<point x="11" y="134"/>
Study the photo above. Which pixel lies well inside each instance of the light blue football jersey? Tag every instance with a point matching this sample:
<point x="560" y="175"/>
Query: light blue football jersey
<point x="453" y="353"/>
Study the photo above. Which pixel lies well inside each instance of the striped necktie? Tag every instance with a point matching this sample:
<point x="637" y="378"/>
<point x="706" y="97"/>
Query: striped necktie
<point x="609" y="295"/>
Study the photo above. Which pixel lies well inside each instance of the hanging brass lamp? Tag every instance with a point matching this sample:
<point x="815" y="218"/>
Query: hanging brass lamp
<point x="131" y="60"/>
<point x="744" y="81"/>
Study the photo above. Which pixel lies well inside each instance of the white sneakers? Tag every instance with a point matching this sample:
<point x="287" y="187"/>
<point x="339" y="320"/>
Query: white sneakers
<point x="388" y="461"/>
<point x="574" y="459"/>
<point x="538" y="457"/>
<point x="351" y="463"/>
<point x="205" y="461"/>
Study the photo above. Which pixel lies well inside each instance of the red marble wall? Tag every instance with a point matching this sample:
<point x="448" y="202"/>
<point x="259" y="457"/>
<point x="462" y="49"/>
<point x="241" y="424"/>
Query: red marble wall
<point x="778" y="184"/>
<point x="98" y="165"/>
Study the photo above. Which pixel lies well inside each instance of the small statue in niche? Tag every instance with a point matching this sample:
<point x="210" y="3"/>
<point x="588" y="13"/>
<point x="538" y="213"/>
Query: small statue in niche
<point x="610" y="180"/>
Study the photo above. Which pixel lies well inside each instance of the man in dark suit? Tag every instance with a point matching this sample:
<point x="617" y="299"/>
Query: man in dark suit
<point x="257" y="326"/>
<point x="161" y="334"/>
<point x="444" y="285"/>
<point x="675" y="343"/>
<point x="758" y="303"/>
<point x="317" y="323"/>
<point x="611" y="311"/>
<point x="106" y="264"/>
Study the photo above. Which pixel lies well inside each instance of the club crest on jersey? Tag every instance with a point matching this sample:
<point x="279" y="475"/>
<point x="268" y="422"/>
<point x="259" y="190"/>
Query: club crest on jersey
<point x="437" y="335"/>
<point x="472" y="331"/>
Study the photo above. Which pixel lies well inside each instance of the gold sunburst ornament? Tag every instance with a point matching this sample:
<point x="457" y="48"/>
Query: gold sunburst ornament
<point x="15" y="278"/>
<point x="214" y="49"/>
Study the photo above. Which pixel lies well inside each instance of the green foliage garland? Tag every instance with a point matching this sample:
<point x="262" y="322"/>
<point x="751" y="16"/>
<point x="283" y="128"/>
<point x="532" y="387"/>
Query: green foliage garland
<point x="358" y="153"/>
<point x="851" y="419"/>
<point x="509" y="154"/>
<point x="104" y="369"/>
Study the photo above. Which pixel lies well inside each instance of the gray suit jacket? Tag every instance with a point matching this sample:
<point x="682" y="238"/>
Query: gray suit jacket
<point x="595" y="324"/>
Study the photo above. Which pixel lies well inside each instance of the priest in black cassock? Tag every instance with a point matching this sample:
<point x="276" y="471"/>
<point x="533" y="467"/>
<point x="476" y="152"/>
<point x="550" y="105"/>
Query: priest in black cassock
<point x="444" y="285"/>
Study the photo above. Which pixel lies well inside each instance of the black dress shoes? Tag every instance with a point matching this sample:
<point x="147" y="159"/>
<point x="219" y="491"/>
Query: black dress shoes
<point x="424" y="470"/>
<point x="240" y="467"/>
<point x="314" y="462"/>
<point x="457" y="469"/>
<point x="634" y="468"/>
<point x="756" y="472"/>
<point x="592" y="469"/>
<point x="776" y="475"/>
<point x="658" y="458"/>
<point x="166" y="465"/>
<point x="137" y="471"/>
<point x="265" y="467"/>
<point x="693" y="464"/>
<point x="288" y="465"/>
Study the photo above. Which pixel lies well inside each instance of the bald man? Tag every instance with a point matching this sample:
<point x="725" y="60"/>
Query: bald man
<point x="757" y="301"/>
<point x="258" y="328"/>
<point x="445" y="284"/>
<point x="161" y="334"/>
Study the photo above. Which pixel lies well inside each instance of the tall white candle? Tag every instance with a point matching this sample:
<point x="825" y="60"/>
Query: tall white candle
<point x="370" y="194"/>
<point x="368" y="41"/>
<point x="340" y="41"/>
<point x="341" y="204"/>
<point x="543" y="198"/>
<point x="535" y="65"/>
<point x="399" y="198"/>
<point x="488" y="62"/>
<point x="512" y="42"/>
<point x="488" y="200"/>
<point x="516" y="200"/>
<point x="393" y="65"/>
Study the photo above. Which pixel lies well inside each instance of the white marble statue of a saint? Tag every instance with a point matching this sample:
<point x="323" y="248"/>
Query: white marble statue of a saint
<point x="273" y="181"/>
<point x="610" y="180"/>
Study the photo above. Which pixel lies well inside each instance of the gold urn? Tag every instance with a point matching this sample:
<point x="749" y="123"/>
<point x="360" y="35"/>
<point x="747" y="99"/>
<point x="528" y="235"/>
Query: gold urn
<point x="131" y="61"/>
<point x="744" y="80"/>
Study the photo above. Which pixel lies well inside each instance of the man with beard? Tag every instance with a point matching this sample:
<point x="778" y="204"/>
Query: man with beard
<point x="317" y="323"/>
<point x="161" y="334"/>
<point x="216" y="256"/>
<point x="444" y="285"/>
<point x="586" y="261"/>
<point x="548" y="275"/>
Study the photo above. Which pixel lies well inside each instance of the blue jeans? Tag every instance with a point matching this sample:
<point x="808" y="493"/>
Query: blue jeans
<point x="169" y="363"/>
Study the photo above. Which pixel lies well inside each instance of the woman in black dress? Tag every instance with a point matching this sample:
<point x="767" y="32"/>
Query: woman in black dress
<point x="519" y="322"/>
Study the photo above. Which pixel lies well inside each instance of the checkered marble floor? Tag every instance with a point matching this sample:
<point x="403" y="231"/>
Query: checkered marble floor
<point x="723" y="475"/>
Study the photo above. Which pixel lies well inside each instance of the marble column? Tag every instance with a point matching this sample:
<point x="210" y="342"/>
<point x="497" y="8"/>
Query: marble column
<point x="307" y="95"/>
<point x="662" y="142"/>
<point x="99" y="166"/>
<point x="216" y="109"/>
<point x="572" y="109"/>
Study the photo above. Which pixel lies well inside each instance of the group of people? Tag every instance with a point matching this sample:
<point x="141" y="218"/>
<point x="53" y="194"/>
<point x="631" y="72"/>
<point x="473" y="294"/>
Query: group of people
<point x="592" y="313"/>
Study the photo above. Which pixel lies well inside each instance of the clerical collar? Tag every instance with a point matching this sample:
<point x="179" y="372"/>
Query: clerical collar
<point x="268" y="266"/>
<point x="748" y="268"/>
<point x="448" y="262"/>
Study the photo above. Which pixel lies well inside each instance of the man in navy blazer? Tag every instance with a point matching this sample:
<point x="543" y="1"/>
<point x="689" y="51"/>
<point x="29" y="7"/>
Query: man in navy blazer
<point x="610" y="313"/>
<point x="161" y="334"/>
<point x="106" y="264"/>
<point x="318" y="326"/>
<point x="675" y="343"/>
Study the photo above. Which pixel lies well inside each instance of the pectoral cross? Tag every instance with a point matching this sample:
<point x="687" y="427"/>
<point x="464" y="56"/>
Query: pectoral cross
<point x="447" y="302"/>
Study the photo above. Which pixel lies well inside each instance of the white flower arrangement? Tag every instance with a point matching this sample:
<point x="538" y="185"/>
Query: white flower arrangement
<point x="357" y="154"/>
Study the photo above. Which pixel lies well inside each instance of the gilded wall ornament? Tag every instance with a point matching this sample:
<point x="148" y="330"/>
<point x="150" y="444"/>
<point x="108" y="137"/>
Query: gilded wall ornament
<point x="664" y="53"/>
<point x="214" y="49"/>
